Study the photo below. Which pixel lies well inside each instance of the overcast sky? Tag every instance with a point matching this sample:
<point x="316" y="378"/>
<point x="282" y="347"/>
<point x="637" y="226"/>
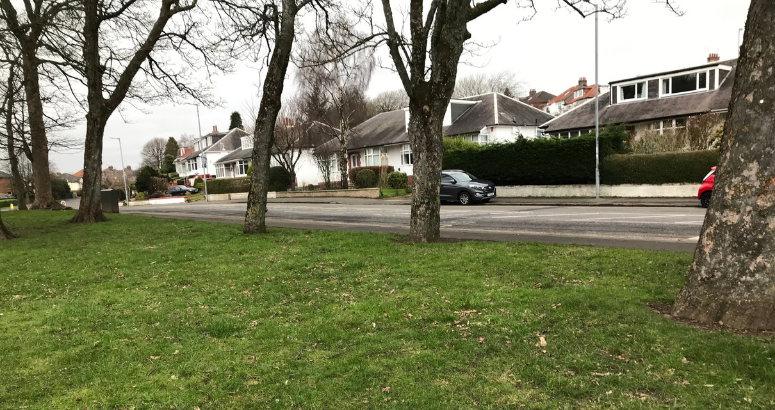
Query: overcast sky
<point x="549" y="53"/>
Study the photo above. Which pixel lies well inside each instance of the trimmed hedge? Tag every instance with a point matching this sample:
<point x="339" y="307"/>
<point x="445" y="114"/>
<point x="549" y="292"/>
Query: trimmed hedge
<point x="354" y="171"/>
<point x="541" y="161"/>
<point x="228" y="185"/>
<point x="398" y="180"/>
<point x="366" y="178"/>
<point x="665" y="168"/>
<point x="279" y="179"/>
<point x="5" y="203"/>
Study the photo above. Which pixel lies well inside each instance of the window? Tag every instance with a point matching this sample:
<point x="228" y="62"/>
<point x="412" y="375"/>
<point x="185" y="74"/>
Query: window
<point x="372" y="157"/>
<point x="383" y="156"/>
<point x="354" y="161"/>
<point x="685" y="83"/>
<point x="220" y="171"/>
<point x="630" y="92"/>
<point x="480" y="139"/>
<point x="406" y="155"/>
<point x="578" y="93"/>
<point x="446" y="179"/>
<point x="246" y="142"/>
<point x="242" y="167"/>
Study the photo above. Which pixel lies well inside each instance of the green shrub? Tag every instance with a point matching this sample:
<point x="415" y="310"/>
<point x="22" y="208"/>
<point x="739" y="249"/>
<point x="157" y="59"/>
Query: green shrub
<point x="140" y="196"/>
<point x="198" y="180"/>
<point x="540" y="161"/>
<point x="143" y="180"/>
<point x="5" y="203"/>
<point x="398" y="180"/>
<point x="666" y="168"/>
<point x="201" y="186"/>
<point x="181" y="182"/>
<point x="377" y="170"/>
<point x="250" y="170"/>
<point x="279" y="179"/>
<point x="366" y="178"/>
<point x="60" y="189"/>
<point x="228" y="185"/>
<point x="174" y="175"/>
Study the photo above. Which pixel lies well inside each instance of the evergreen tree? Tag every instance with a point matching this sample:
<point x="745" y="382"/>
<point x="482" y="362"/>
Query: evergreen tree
<point x="169" y="164"/>
<point x="235" y="121"/>
<point x="171" y="148"/>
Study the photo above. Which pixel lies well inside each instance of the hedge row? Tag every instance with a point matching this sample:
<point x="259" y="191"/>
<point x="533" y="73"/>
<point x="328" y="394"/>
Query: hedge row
<point x="228" y="185"/>
<point x="353" y="171"/>
<point x="666" y="168"/>
<point x="5" y="203"/>
<point x="542" y="161"/>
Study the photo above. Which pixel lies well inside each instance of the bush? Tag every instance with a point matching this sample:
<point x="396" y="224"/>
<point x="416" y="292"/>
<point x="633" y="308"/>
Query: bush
<point x="140" y="196"/>
<point x="158" y="185"/>
<point x="181" y="182"/>
<point x="250" y="170"/>
<point x="377" y="170"/>
<point x="198" y="180"/>
<point x="5" y="203"/>
<point x="541" y="161"/>
<point x="174" y="175"/>
<point x="398" y="180"/>
<point x="279" y="179"/>
<point x="366" y="178"/>
<point x="201" y="186"/>
<point x="60" y="189"/>
<point x="228" y="185"/>
<point x="667" y="168"/>
<point x="143" y="180"/>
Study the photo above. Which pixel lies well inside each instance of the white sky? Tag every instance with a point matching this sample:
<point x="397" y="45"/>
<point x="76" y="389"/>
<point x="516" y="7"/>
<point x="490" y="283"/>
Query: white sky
<point x="549" y="53"/>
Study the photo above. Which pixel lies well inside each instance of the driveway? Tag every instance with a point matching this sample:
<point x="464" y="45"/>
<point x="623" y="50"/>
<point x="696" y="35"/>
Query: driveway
<point x="655" y="228"/>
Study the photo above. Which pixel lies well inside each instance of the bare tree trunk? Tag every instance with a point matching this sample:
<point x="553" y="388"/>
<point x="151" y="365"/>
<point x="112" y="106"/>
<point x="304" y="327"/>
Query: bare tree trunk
<point x="732" y="279"/>
<point x="425" y="135"/>
<point x="41" y="177"/>
<point x="19" y="189"/>
<point x="5" y="233"/>
<point x="344" y="177"/>
<point x="90" y="209"/>
<point x="263" y="136"/>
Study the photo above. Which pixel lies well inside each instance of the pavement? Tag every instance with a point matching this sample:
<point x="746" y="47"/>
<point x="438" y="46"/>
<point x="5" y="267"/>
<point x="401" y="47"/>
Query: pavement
<point x="671" y="228"/>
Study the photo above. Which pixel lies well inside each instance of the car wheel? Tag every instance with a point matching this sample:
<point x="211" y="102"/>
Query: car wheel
<point x="705" y="199"/>
<point x="464" y="198"/>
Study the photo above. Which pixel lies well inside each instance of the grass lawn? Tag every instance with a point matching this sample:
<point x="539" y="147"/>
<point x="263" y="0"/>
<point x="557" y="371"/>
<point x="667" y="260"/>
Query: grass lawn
<point x="388" y="192"/>
<point x="142" y="313"/>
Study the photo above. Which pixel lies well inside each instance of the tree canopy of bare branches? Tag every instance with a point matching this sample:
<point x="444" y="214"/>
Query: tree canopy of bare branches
<point x="503" y="82"/>
<point x="389" y="101"/>
<point x="153" y="153"/>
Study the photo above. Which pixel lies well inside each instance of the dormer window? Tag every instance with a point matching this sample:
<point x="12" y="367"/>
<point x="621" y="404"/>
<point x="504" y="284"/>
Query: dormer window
<point x="578" y="93"/>
<point x="685" y="83"/>
<point x="632" y="92"/>
<point x="247" y="142"/>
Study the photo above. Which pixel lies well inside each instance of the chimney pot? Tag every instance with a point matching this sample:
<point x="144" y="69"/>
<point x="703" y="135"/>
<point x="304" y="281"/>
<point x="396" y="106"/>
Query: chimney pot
<point x="215" y="128"/>
<point x="583" y="82"/>
<point x="713" y="57"/>
<point x="532" y="92"/>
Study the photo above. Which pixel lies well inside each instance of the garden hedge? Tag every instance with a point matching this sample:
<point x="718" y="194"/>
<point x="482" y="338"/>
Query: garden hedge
<point x="228" y="185"/>
<point x="665" y="168"/>
<point x="541" y="161"/>
<point x="353" y="171"/>
<point x="366" y="178"/>
<point x="279" y="179"/>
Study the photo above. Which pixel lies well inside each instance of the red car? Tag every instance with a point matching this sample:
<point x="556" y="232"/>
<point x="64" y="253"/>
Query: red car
<point x="706" y="189"/>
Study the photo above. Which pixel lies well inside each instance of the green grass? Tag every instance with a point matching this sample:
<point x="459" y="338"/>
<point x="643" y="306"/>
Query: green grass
<point x="142" y="313"/>
<point x="388" y="192"/>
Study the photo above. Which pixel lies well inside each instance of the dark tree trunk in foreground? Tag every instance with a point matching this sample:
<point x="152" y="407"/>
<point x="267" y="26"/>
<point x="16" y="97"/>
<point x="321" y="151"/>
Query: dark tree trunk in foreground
<point x="4" y="232"/>
<point x="263" y="135"/>
<point x="19" y="189"/>
<point x="101" y="107"/>
<point x="732" y="279"/>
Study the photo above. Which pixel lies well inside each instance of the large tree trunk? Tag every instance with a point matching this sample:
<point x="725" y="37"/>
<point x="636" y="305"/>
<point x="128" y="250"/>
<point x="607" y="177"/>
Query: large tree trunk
<point x="732" y="279"/>
<point x="90" y="209"/>
<point x="263" y="136"/>
<point x="425" y="134"/>
<point x="4" y="232"/>
<point x="19" y="190"/>
<point x="41" y="176"/>
<point x="344" y="177"/>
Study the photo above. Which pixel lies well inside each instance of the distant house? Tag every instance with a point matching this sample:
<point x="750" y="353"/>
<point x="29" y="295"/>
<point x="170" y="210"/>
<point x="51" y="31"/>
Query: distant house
<point x="538" y="99"/>
<point x="573" y="97"/>
<point x="75" y="182"/>
<point x="201" y="159"/>
<point x="6" y="183"/>
<point x="656" y="102"/>
<point x="487" y="118"/>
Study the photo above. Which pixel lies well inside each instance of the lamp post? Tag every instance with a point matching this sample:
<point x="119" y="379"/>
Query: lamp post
<point x="123" y="168"/>
<point x="597" y="118"/>
<point x="204" y="156"/>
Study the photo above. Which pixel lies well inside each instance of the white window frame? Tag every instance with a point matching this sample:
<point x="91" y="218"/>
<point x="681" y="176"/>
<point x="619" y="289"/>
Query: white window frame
<point x="697" y="83"/>
<point x="620" y="91"/>
<point x="353" y="160"/>
<point x="406" y="152"/>
<point x="372" y="157"/>
<point x="578" y="93"/>
<point x="246" y="142"/>
<point x="240" y="166"/>
<point x="220" y="171"/>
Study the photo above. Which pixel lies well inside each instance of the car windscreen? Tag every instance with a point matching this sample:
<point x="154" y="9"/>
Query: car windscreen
<point x="709" y="174"/>
<point x="462" y="176"/>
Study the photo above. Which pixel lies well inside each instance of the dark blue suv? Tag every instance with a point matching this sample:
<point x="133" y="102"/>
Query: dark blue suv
<point x="460" y="186"/>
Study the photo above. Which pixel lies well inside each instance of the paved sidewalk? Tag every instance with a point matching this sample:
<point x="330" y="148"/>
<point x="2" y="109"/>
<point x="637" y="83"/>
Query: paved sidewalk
<point x="640" y="202"/>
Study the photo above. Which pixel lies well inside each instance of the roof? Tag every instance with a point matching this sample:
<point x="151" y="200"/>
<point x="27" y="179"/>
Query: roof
<point x="732" y="62"/>
<point x="567" y="95"/>
<point x="69" y="178"/>
<point x="541" y="97"/>
<point x="389" y="128"/>
<point x="239" y="154"/>
<point x="231" y="141"/>
<point x="583" y="116"/>
<point x="186" y="153"/>
<point x="79" y="174"/>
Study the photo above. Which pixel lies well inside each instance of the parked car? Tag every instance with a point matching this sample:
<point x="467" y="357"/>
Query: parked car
<point x="460" y="186"/>
<point x="706" y="189"/>
<point x="181" y="190"/>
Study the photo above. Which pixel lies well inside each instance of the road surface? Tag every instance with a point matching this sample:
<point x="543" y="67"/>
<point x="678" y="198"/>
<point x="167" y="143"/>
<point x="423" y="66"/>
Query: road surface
<point x="654" y="228"/>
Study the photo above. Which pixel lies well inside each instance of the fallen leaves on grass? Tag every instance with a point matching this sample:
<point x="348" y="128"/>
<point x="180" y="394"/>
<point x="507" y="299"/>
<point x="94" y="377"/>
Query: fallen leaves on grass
<point x="541" y="341"/>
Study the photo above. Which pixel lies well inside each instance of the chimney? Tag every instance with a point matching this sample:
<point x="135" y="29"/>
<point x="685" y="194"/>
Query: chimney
<point x="532" y="93"/>
<point x="583" y="82"/>
<point x="215" y="128"/>
<point x="713" y="57"/>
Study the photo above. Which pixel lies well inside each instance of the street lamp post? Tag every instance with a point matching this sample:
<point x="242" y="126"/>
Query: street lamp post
<point x="597" y="118"/>
<point x="123" y="169"/>
<point x="204" y="156"/>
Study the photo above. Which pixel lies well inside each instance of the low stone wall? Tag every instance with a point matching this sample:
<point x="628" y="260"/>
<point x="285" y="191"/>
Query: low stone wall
<point x="621" y="191"/>
<point x="334" y="193"/>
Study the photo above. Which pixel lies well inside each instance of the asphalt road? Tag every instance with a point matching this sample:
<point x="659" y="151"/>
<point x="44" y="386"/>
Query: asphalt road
<point x="654" y="228"/>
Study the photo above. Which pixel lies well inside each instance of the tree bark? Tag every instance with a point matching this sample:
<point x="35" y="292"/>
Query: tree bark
<point x="263" y="135"/>
<point x="344" y="177"/>
<point x="732" y="278"/>
<point x="5" y="233"/>
<point x="90" y="209"/>
<point x="19" y="189"/>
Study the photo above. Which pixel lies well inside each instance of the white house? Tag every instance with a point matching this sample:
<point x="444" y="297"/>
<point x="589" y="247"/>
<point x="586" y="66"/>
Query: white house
<point x="207" y="151"/>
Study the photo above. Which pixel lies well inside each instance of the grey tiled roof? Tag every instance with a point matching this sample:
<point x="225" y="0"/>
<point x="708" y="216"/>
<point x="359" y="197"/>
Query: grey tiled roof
<point x="583" y="116"/>
<point x="239" y="154"/>
<point x="230" y="142"/>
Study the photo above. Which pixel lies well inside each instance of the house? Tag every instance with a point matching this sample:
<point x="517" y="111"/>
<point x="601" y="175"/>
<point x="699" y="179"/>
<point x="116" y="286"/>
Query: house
<point x="207" y="150"/>
<point x="657" y="102"/>
<point x="486" y="118"/>
<point x="573" y="97"/>
<point x="6" y="183"/>
<point x="236" y="163"/>
<point x="73" y="181"/>
<point x="538" y="99"/>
